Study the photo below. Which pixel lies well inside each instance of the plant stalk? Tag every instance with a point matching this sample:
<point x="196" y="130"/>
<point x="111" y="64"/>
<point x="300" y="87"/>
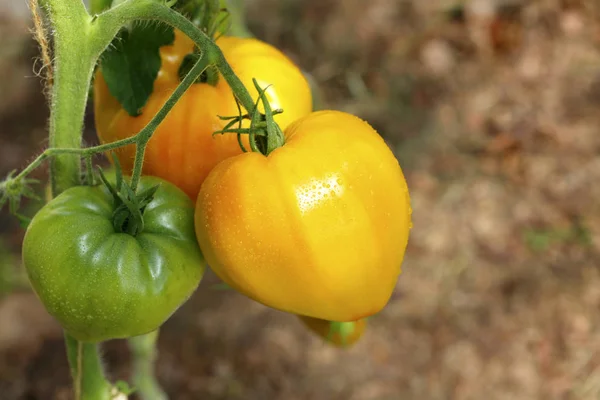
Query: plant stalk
<point x="79" y="40"/>
<point x="143" y="350"/>
<point x="86" y="370"/>
<point x="74" y="60"/>
<point x="73" y="72"/>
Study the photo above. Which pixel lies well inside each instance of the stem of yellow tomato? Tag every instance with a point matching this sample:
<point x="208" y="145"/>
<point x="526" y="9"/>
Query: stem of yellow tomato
<point x="66" y="122"/>
<point x="145" y="134"/>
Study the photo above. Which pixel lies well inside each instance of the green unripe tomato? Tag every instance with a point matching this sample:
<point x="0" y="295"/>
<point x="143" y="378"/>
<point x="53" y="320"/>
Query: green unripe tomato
<point x="102" y="284"/>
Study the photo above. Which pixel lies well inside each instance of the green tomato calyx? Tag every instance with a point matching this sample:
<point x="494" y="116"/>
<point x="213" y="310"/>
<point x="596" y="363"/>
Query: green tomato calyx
<point x="264" y="134"/>
<point x="128" y="214"/>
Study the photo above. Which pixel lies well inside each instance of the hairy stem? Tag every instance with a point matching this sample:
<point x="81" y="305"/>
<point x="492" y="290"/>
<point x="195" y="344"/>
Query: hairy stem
<point x="75" y="58"/>
<point x="141" y="138"/>
<point x="65" y="126"/>
<point x="79" y="39"/>
<point x="41" y="36"/>
<point x="143" y="349"/>
<point x="86" y="370"/>
<point x="73" y="72"/>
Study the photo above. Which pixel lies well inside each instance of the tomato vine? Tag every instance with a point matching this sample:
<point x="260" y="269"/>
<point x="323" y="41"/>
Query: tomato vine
<point x="79" y="38"/>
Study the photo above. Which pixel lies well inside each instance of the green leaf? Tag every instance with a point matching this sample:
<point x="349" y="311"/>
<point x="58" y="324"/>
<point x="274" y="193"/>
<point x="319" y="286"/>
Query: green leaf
<point x="131" y="63"/>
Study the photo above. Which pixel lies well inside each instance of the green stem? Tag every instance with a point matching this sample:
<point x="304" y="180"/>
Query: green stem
<point x="109" y="22"/>
<point x="89" y="170"/>
<point x="66" y="150"/>
<point x="145" y="134"/>
<point x="73" y="73"/>
<point x="86" y="370"/>
<point x="143" y="349"/>
<point x="79" y="39"/>
<point x="141" y="138"/>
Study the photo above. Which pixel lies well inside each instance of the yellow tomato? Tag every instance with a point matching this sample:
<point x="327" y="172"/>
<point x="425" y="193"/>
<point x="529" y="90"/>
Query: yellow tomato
<point x="340" y="334"/>
<point x="183" y="149"/>
<point x="318" y="227"/>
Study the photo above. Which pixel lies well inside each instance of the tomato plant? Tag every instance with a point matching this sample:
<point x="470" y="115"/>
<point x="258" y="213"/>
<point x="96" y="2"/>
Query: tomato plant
<point x="101" y="282"/>
<point x="313" y="220"/>
<point x="183" y="149"/>
<point x="316" y="228"/>
<point x="339" y="334"/>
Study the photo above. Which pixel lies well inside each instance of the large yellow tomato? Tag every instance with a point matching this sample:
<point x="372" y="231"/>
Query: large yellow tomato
<point x="316" y="228"/>
<point x="183" y="150"/>
<point x="339" y="334"/>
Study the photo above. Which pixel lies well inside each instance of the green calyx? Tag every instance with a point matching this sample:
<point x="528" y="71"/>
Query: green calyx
<point x="128" y="214"/>
<point x="264" y="134"/>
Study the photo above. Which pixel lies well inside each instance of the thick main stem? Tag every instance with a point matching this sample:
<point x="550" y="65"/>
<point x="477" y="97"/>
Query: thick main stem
<point x="74" y="65"/>
<point x="140" y="139"/>
<point x="73" y="71"/>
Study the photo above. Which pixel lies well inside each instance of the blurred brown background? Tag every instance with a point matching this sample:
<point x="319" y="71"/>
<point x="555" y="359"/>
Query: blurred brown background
<point x="493" y="109"/>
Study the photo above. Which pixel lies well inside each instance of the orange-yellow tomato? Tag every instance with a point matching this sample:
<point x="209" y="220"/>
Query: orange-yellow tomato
<point x="183" y="149"/>
<point x="339" y="334"/>
<point x="318" y="227"/>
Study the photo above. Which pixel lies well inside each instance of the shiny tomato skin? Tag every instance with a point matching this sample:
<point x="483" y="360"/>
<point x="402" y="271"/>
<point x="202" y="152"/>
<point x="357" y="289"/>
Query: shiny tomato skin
<point x="183" y="149"/>
<point x="317" y="228"/>
<point x="101" y="284"/>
